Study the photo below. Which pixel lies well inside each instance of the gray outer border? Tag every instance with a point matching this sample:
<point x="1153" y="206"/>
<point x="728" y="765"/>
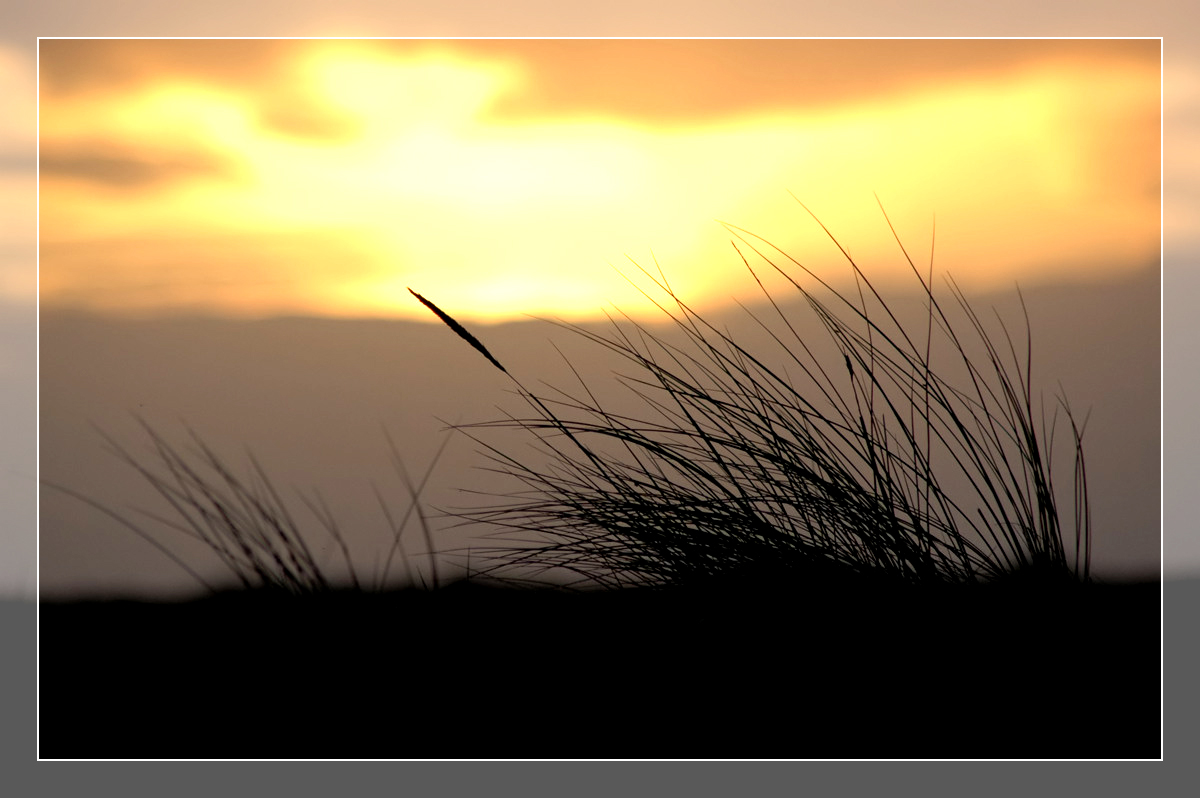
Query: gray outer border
<point x="1181" y="598"/>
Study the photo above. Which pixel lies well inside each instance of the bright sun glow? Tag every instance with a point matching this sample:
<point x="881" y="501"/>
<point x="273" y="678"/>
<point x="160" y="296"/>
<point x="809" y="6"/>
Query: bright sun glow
<point x="498" y="217"/>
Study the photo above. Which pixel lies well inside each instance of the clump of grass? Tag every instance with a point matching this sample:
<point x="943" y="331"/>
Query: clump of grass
<point x="811" y="469"/>
<point x="246" y="523"/>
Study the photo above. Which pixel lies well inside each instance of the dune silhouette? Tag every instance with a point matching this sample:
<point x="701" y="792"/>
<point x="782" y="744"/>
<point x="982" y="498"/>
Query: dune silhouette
<point x="485" y="672"/>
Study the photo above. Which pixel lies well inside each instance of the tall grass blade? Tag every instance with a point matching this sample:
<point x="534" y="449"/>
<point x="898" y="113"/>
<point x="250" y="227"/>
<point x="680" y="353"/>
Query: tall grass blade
<point x="459" y="330"/>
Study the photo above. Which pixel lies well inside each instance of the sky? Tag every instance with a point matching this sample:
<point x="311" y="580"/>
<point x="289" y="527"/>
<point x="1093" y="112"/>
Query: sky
<point x="248" y="178"/>
<point x="186" y="174"/>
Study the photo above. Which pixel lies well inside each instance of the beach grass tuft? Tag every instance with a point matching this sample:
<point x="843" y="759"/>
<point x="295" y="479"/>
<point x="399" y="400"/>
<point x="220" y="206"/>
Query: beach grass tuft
<point x="248" y="525"/>
<point x="767" y="466"/>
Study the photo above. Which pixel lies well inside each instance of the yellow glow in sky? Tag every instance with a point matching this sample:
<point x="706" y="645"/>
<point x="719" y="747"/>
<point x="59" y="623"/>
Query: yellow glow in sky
<point x="391" y="170"/>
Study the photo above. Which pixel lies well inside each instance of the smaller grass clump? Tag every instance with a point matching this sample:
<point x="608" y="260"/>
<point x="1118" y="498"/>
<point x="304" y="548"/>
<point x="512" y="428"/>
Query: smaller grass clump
<point x="246" y="523"/>
<point x="876" y="463"/>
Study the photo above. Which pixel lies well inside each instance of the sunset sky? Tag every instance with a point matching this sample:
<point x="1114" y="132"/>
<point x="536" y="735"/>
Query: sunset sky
<point x="252" y="178"/>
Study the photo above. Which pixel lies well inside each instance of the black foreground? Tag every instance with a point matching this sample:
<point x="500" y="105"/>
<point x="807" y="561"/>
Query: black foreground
<point x="1020" y="671"/>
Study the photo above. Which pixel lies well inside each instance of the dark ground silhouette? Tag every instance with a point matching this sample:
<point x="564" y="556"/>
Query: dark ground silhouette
<point x="739" y="671"/>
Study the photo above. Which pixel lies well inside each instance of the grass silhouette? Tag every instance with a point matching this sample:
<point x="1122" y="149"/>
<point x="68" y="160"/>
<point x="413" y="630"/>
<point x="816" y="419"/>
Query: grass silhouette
<point x="810" y="471"/>
<point x="249" y="526"/>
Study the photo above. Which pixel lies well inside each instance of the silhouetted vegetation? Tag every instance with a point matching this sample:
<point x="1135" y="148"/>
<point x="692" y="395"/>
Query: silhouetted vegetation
<point x="807" y="470"/>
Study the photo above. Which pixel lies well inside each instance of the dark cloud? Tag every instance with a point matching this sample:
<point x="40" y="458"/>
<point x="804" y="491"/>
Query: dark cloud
<point x="71" y="66"/>
<point x="118" y="170"/>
